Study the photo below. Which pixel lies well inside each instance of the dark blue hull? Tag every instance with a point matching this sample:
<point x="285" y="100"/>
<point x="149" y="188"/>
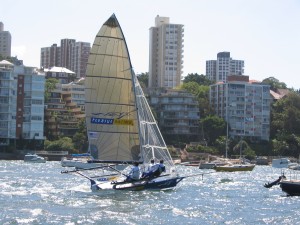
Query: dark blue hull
<point x="292" y="188"/>
<point x="159" y="183"/>
<point x="163" y="184"/>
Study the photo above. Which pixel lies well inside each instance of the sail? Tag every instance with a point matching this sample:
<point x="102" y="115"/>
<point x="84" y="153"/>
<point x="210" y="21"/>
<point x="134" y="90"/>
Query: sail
<point x="153" y="145"/>
<point x="111" y="113"/>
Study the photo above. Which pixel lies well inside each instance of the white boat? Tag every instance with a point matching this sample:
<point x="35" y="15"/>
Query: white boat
<point x="294" y="166"/>
<point x="78" y="161"/>
<point x="281" y="163"/>
<point x="34" y="158"/>
<point x="121" y="127"/>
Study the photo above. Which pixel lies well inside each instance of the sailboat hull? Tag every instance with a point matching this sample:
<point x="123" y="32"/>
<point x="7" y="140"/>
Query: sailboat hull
<point x="291" y="187"/>
<point x="155" y="184"/>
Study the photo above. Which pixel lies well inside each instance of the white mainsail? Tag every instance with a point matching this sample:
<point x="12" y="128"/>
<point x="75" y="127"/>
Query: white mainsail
<point x="119" y="121"/>
<point x="111" y="114"/>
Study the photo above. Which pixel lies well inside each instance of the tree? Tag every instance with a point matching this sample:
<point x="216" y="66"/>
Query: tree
<point x="62" y="144"/>
<point x="143" y="79"/>
<point x="274" y="83"/>
<point x="49" y="86"/>
<point x="213" y="127"/>
<point x="201" y="92"/>
<point x="243" y="148"/>
<point x="199" y="79"/>
<point x="285" y="115"/>
<point x="80" y="139"/>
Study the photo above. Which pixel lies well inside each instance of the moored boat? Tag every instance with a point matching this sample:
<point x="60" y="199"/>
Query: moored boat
<point x="282" y="163"/>
<point x="34" y="158"/>
<point x="77" y="160"/>
<point x="235" y="167"/>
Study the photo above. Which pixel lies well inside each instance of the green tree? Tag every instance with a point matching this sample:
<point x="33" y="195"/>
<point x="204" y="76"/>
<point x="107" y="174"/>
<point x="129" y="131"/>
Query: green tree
<point x="242" y="148"/>
<point x="274" y="83"/>
<point x="49" y="86"/>
<point x="143" y="79"/>
<point x="213" y="127"/>
<point x="80" y="139"/>
<point x="285" y="115"/>
<point x="62" y="144"/>
<point x="201" y="92"/>
<point x="191" y="87"/>
<point x="199" y="79"/>
<point x="220" y="144"/>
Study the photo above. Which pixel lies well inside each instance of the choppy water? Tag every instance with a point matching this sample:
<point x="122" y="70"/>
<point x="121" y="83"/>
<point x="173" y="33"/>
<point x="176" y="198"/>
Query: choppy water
<point x="40" y="194"/>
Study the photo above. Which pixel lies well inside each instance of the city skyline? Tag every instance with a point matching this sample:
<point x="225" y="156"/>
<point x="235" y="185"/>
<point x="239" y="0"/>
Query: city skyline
<point x="262" y="33"/>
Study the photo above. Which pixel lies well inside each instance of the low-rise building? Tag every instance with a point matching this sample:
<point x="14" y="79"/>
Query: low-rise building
<point x="177" y="113"/>
<point x="63" y="75"/>
<point x="64" y="109"/>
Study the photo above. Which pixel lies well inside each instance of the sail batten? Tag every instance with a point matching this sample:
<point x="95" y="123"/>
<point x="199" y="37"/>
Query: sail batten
<point x="111" y="77"/>
<point x="103" y="36"/>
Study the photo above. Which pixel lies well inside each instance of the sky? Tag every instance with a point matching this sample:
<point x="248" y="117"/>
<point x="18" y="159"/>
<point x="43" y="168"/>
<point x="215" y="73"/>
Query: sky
<point x="263" y="33"/>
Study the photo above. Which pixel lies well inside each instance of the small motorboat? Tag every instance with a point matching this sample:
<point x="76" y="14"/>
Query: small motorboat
<point x="77" y="160"/>
<point x="34" y="158"/>
<point x="281" y="163"/>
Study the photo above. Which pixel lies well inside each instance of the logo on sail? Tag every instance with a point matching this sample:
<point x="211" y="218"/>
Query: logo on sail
<point x="123" y="122"/>
<point x="128" y="122"/>
<point x="102" y="121"/>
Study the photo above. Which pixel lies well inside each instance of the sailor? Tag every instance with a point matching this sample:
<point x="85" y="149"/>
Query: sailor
<point x="155" y="170"/>
<point x="161" y="168"/>
<point x="150" y="165"/>
<point x="150" y="169"/>
<point x="134" y="173"/>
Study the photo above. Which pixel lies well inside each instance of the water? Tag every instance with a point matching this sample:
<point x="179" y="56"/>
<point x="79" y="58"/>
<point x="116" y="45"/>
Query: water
<point x="40" y="194"/>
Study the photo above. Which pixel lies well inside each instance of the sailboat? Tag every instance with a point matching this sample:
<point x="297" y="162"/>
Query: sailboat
<point x="235" y="165"/>
<point x="121" y="127"/>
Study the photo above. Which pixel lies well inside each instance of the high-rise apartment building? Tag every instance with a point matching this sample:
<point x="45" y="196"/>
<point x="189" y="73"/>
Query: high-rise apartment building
<point x="244" y="105"/>
<point x="50" y="56"/>
<point x="22" y="103"/>
<point x="79" y="57"/>
<point x="218" y="70"/>
<point x="5" y="42"/>
<point x="165" y="53"/>
<point x="71" y="55"/>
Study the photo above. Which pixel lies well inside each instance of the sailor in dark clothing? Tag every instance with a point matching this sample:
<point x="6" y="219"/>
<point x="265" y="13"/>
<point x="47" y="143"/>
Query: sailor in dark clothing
<point x="276" y="182"/>
<point x="155" y="170"/>
<point x="161" y="168"/>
